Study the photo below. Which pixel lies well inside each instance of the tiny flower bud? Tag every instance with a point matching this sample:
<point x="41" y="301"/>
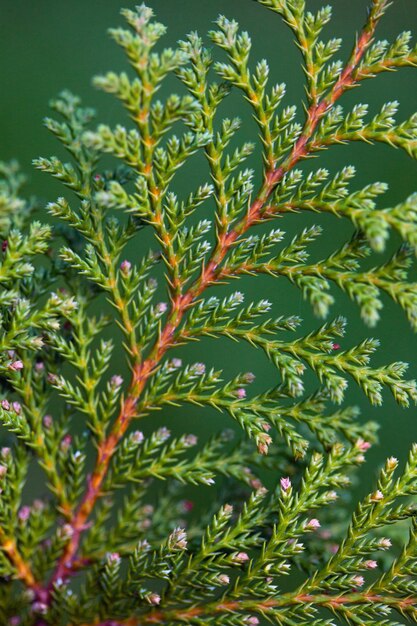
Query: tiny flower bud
<point x="5" y="452"/>
<point x="17" y="407"/>
<point x="14" y="621"/>
<point x="154" y="599"/>
<point x="137" y="437"/>
<point x="377" y="496"/>
<point x="40" y="607"/>
<point x="190" y="440"/>
<point x="313" y="524"/>
<point x="178" y="539"/>
<point x="370" y="564"/>
<point x="249" y="377"/>
<point x="125" y="267"/>
<point x="67" y="530"/>
<point x="336" y="346"/>
<point x="252" y="620"/>
<point x="264" y="441"/>
<point x="47" y="421"/>
<point x="39" y="366"/>
<point x="240" y="557"/>
<point x="331" y="496"/>
<point x="66" y="442"/>
<point x="24" y="513"/>
<point x="241" y="393"/>
<point x="285" y="484"/>
<point x="116" y="381"/>
<point x="384" y="543"/>
<point x="161" y="308"/>
<point x="198" y="369"/>
<point x="113" y="558"/>
<point x="5" y="404"/>
<point x="392" y="463"/>
<point x="358" y="581"/>
<point x="223" y="579"/>
<point x="362" y="445"/>
<point x="16" y="365"/>
<point x="174" y="364"/>
<point x="163" y="434"/>
<point x="3" y="471"/>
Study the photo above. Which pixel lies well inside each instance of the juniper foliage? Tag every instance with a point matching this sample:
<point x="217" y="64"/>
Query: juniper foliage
<point x="108" y="545"/>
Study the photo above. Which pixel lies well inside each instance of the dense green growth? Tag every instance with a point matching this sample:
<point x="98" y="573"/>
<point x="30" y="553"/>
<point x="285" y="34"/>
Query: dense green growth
<point x="109" y="543"/>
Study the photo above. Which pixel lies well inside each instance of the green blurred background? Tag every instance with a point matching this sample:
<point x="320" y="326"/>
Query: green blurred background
<point x="48" y="45"/>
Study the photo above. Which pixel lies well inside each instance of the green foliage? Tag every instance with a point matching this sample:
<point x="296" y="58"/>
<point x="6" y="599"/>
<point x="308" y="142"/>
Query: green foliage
<point x="113" y="539"/>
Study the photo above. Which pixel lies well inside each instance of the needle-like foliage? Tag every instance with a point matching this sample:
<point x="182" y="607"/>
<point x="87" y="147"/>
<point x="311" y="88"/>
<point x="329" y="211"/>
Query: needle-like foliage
<point x="112" y="538"/>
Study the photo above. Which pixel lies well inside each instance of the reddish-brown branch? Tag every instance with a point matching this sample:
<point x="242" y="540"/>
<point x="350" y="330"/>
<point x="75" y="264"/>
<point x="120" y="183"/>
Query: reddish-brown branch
<point x="331" y="602"/>
<point x="182" y="302"/>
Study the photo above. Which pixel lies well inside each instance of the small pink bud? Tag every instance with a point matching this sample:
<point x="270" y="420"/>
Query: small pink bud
<point x="66" y="442"/>
<point x="154" y="599"/>
<point x="17" y="407"/>
<point x="163" y="433"/>
<point x="178" y="539"/>
<point x="223" y="579"/>
<point x="334" y="548"/>
<point x="313" y="524"/>
<point x="249" y="377"/>
<point x="240" y="557"/>
<point x="252" y="620"/>
<point x="370" y="564"/>
<point x="255" y="483"/>
<point x="40" y="607"/>
<point x="384" y="543"/>
<point x="358" y="581"/>
<point x="16" y="365"/>
<point x="198" y="369"/>
<point x="67" y="530"/>
<point x="336" y="346"/>
<point x="241" y="393"/>
<point x="116" y="381"/>
<point x="39" y="366"/>
<point x="377" y="496"/>
<point x="14" y="621"/>
<point x="47" y="421"/>
<point x="3" y="471"/>
<point x="363" y="445"/>
<point x="5" y="404"/>
<point x="113" y="558"/>
<point x="161" y="308"/>
<point x="264" y="441"/>
<point x="285" y="484"/>
<point x="175" y="363"/>
<point x="137" y="437"/>
<point x="5" y="452"/>
<point x="24" y="513"/>
<point x="190" y="440"/>
<point x="125" y="267"/>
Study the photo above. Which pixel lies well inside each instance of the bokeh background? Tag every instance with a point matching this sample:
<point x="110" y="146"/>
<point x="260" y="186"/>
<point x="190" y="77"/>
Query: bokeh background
<point x="49" y="45"/>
